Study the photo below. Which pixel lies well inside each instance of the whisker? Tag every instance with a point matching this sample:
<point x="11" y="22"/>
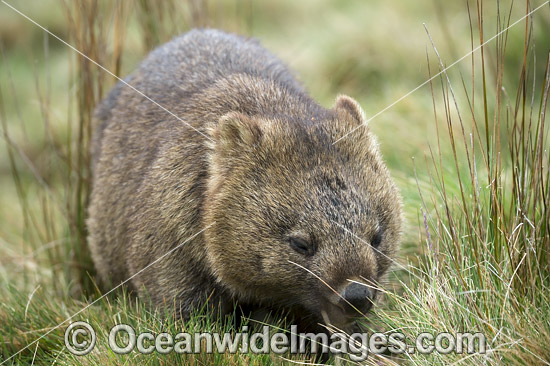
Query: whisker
<point x="326" y="284"/>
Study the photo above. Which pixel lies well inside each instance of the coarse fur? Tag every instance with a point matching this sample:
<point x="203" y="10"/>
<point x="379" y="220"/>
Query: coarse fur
<point x="262" y="170"/>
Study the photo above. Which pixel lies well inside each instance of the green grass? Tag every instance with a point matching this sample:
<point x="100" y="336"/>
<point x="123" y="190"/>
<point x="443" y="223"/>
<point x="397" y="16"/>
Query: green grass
<point x="469" y="152"/>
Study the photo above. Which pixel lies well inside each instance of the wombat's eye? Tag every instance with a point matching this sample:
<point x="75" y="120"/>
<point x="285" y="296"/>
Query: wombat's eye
<point x="376" y="239"/>
<point x="300" y="245"/>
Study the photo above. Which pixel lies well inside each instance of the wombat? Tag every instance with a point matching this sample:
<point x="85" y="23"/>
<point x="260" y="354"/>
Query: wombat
<point x="240" y="187"/>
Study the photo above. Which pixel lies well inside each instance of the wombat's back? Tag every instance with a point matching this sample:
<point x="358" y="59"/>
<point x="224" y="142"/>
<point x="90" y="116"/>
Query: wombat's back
<point x="180" y="69"/>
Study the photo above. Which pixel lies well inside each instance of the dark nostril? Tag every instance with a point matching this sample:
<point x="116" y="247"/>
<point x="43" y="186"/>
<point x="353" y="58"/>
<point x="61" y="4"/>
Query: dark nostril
<point x="357" y="297"/>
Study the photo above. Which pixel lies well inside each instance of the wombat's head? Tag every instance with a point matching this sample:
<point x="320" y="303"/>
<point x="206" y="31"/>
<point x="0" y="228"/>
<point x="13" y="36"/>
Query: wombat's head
<point x="298" y="221"/>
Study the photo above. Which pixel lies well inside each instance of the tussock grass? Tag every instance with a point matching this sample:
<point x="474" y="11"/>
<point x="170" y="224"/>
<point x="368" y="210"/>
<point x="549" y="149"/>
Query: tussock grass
<point x="486" y="260"/>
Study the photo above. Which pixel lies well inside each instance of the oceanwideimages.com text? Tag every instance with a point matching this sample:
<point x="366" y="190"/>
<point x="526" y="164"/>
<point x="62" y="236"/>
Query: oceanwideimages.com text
<point x="81" y="338"/>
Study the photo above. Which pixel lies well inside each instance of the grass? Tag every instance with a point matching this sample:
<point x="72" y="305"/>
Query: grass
<point x="476" y="250"/>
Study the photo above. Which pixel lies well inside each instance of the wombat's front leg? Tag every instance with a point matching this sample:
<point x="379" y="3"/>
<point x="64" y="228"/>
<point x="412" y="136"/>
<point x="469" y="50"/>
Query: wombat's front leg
<point x="216" y="304"/>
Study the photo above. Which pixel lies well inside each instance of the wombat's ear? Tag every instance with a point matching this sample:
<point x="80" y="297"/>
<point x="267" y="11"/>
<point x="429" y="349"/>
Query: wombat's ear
<point x="351" y="107"/>
<point x="235" y="128"/>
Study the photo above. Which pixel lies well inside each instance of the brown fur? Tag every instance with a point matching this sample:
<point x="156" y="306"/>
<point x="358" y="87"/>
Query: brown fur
<point x="267" y="171"/>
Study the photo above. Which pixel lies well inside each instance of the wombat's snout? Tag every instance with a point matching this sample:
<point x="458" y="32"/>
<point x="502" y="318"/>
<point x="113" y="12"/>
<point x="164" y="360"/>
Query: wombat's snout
<point x="356" y="298"/>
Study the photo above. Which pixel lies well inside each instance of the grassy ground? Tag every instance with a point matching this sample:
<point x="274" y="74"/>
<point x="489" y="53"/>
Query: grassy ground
<point x="469" y="152"/>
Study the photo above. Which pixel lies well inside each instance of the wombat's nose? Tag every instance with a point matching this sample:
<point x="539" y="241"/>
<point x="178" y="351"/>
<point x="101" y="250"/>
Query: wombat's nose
<point x="356" y="298"/>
